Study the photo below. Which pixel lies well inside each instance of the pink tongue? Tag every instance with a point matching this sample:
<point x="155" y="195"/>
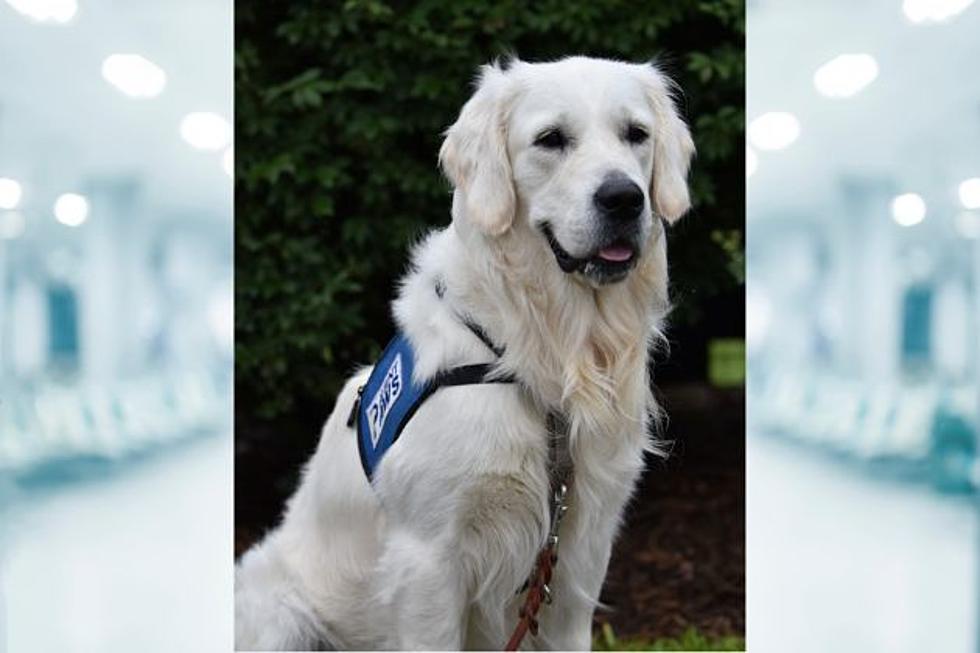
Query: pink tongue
<point x="616" y="253"/>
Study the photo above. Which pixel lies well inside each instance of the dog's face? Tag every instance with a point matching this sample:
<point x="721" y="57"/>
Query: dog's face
<point x="591" y="153"/>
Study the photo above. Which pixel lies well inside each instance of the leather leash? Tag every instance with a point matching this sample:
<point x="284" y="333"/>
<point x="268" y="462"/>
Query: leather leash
<point x="537" y="584"/>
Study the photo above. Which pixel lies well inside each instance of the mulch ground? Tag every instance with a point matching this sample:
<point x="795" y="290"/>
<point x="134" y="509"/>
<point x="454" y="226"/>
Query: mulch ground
<point x="679" y="561"/>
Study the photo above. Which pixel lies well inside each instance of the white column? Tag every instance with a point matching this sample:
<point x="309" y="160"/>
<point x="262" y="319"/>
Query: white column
<point x="107" y="307"/>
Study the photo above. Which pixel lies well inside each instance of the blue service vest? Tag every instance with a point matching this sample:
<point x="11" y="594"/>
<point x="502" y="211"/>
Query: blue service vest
<point x="389" y="399"/>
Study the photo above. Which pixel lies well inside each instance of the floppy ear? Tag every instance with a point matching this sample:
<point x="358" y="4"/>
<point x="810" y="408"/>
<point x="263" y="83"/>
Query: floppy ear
<point x="673" y="148"/>
<point x="474" y="155"/>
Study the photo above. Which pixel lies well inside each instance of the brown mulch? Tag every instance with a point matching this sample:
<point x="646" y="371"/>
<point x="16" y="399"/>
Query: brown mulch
<point x="679" y="561"/>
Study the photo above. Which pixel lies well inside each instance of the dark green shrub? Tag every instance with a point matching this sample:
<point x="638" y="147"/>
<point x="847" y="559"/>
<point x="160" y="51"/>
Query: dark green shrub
<point x="339" y="111"/>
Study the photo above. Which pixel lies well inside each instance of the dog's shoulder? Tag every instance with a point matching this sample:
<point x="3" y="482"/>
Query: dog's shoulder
<point x="455" y="429"/>
<point x="427" y="316"/>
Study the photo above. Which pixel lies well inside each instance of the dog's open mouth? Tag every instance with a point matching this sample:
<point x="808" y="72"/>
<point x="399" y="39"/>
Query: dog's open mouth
<point x="608" y="264"/>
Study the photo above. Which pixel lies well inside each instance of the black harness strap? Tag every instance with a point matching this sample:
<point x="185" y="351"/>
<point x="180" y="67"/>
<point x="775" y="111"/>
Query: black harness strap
<point x="475" y="329"/>
<point x="469" y="375"/>
<point x="478" y="331"/>
<point x="475" y="374"/>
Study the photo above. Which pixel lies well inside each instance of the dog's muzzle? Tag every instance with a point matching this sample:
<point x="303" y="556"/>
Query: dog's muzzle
<point x="610" y="263"/>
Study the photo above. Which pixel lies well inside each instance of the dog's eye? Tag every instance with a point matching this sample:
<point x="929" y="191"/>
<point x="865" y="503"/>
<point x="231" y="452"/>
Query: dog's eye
<point x="636" y="135"/>
<point x="552" y="139"/>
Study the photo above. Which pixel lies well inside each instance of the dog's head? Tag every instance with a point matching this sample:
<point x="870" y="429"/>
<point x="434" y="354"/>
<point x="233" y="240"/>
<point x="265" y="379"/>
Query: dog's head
<point x="589" y="152"/>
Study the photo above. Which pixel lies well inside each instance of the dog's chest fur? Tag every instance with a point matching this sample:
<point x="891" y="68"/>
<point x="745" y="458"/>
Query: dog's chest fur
<point x="472" y="468"/>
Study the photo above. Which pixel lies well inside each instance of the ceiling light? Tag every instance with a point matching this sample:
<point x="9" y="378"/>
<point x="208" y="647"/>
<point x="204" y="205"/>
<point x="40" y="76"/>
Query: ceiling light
<point x="908" y="209"/>
<point x="751" y="162"/>
<point x="970" y="193"/>
<point x="845" y="75"/>
<point x="43" y="11"/>
<point x="933" y="11"/>
<point x="71" y="209"/>
<point x="968" y="224"/>
<point x="228" y="161"/>
<point x="205" y="130"/>
<point x="134" y="75"/>
<point x="9" y="193"/>
<point x="11" y="225"/>
<point x="774" y="130"/>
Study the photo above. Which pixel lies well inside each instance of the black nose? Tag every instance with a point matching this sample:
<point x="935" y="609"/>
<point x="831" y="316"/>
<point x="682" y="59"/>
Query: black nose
<point x="619" y="198"/>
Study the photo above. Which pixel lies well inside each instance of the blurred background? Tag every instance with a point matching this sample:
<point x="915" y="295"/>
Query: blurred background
<point x="339" y="113"/>
<point x="115" y="302"/>
<point x="115" y="325"/>
<point x="863" y="318"/>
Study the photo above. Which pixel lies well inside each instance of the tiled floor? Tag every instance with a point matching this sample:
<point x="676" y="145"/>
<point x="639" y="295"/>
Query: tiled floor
<point x="141" y="561"/>
<point x="838" y="561"/>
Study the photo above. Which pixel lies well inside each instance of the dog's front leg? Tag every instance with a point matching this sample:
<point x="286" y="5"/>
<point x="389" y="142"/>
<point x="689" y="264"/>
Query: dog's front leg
<point x="421" y="587"/>
<point x="569" y="625"/>
<point x="579" y="576"/>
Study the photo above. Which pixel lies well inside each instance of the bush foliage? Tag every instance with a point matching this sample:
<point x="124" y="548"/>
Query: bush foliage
<point x="339" y="111"/>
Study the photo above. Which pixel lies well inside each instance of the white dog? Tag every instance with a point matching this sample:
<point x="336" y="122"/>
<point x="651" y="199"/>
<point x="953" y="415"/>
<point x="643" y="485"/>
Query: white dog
<point x="565" y="174"/>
